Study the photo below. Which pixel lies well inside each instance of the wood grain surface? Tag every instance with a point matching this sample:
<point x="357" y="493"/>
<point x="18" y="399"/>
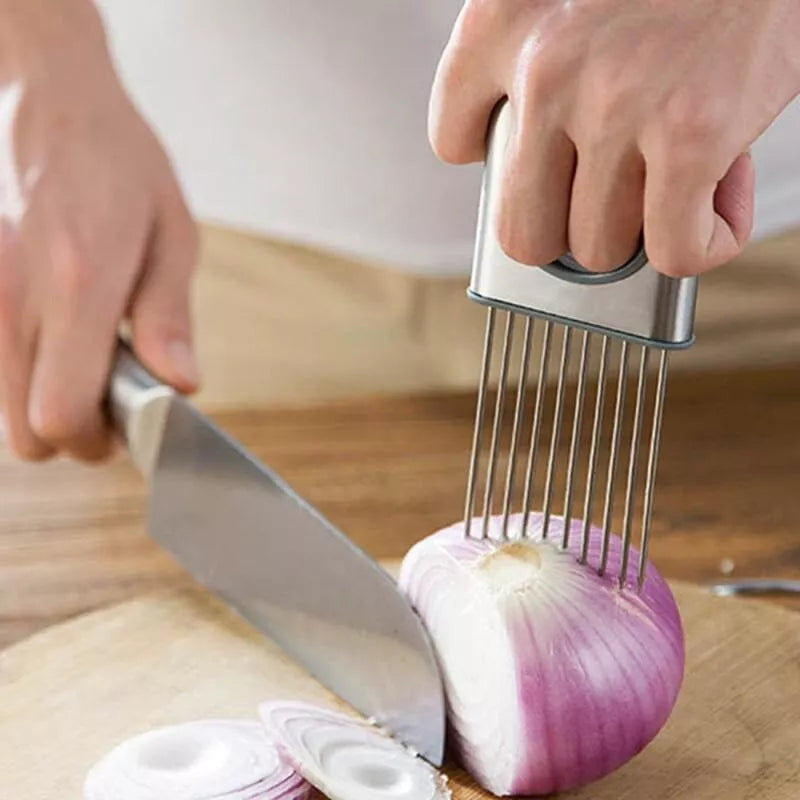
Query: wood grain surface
<point x="71" y="693"/>
<point x="279" y="323"/>
<point x="390" y="470"/>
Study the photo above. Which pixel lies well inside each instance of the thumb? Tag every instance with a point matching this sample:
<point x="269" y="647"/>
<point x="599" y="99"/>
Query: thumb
<point x="160" y="310"/>
<point x="734" y="201"/>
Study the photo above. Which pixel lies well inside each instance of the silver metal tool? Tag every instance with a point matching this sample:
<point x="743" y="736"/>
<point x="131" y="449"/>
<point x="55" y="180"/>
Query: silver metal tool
<point x="245" y="535"/>
<point x="633" y="310"/>
<point x="756" y="587"/>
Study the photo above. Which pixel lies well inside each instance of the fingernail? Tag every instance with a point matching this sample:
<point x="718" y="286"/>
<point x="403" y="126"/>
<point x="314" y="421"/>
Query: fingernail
<point x="183" y="361"/>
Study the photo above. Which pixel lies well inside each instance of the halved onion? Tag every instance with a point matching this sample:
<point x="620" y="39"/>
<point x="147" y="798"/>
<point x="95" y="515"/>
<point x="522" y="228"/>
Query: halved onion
<point x="554" y="676"/>
<point x="346" y="759"/>
<point x="205" y="760"/>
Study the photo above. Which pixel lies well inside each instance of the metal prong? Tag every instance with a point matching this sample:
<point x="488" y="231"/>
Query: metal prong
<point x="575" y="441"/>
<point x="536" y="426"/>
<point x="477" y="434"/>
<point x="633" y="464"/>
<point x="594" y="449"/>
<point x="497" y="426"/>
<point x="612" y="460"/>
<point x="519" y="412"/>
<point x="652" y="463"/>
<point x="555" y="436"/>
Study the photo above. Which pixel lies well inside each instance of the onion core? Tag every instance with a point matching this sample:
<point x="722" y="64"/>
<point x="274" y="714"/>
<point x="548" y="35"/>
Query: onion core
<point x="232" y="759"/>
<point x="554" y="676"/>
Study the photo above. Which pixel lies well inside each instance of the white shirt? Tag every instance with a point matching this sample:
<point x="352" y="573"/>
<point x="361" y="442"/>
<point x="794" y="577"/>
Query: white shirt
<point x="306" y="120"/>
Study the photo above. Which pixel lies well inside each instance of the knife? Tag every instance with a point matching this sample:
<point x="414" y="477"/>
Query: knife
<point x="242" y="532"/>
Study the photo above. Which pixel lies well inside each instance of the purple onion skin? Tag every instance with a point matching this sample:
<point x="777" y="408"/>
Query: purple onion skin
<point x="293" y="788"/>
<point x="598" y="669"/>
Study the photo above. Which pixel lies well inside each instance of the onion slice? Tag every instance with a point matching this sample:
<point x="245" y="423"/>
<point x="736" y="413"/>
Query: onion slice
<point x="346" y="759"/>
<point x="230" y="759"/>
<point x="554" y="676"/>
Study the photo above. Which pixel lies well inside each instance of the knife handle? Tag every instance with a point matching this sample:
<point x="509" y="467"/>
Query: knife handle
<point x="138" y="406"/>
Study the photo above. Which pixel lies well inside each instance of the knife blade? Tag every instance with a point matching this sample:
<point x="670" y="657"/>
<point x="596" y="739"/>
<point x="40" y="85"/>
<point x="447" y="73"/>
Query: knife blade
<point x="244" y="534"/>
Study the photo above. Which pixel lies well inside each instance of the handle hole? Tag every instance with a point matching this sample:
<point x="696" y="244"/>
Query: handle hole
<point x="568" y="268"/>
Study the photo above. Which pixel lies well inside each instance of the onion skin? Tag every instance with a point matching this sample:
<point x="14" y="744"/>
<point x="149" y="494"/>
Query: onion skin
<point x="554" y="676"/>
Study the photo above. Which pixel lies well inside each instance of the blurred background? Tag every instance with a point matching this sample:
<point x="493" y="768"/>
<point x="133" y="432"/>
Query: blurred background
<point x="334" y="333"/>
<point x="336" y="248"/>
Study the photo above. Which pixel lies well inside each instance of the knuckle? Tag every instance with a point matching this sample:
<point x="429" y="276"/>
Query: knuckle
<point x="24" y="445"/>
<point x="439" y="140"/>
<point x="676" y="263"/>
<point x="72" y="269"/>
<point x="57" y="419"/>
<point x="478" y="17"/>
<point x="450" y="148"/>
<point x="452" y="140"/>
<point x="546" y="72"/>
<point x="544" y="65"/>
<point x="523" y="248"/>
<point x="678" y="271"/>
<point x="595" y="258"/>
<point x="610" y="104"/>
<point x="602" y="248"/>
<point x="724" y="255"/>
<point x="691" y="130"/>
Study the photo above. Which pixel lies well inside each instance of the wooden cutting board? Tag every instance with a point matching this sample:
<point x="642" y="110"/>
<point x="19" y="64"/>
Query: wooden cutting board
<point x="70" y="693"/>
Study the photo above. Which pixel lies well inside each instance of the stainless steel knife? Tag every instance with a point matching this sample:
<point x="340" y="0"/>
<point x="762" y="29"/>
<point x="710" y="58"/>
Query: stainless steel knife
<point x="244" y="534"/>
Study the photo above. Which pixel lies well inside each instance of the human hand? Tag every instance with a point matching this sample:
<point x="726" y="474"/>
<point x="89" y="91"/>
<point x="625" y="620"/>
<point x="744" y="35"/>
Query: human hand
<point x="629" y="118"/>
<point x="93" y="230"/>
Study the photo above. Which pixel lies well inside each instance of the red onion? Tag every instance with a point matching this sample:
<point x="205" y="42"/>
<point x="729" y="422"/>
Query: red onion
<point x="347" y="759"/>
<point x="210" y="760"/>
<point x="554" y="676"/>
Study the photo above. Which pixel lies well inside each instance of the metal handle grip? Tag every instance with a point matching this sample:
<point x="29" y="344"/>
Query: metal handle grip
<point x="634" y="302"/>
<point x="138" y="406"/>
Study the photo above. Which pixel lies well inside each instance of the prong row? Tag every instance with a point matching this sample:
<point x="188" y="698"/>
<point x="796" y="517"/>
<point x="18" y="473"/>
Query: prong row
<point x="594" y="449"/>
<point x="575" y="441"/>
<point x="633" y="464"/>
<point x="519" y="414"/>
<point x="652" y="463"/>
<point x="573" y="459"/>
<point x="555" y="436"/>
<point x="536" y="426"/>
<point x="497" y="427"/>
<point x="611" y="477"/>
<point x="477" y="435"/>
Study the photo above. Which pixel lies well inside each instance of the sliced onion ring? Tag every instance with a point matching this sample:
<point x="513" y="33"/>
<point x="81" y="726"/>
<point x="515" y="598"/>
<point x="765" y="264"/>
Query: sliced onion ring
<point x="346" y="759"/>
<point x="230" y="759"/>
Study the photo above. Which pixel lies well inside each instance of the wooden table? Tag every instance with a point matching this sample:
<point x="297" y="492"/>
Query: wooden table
<point x="72" y="538"/>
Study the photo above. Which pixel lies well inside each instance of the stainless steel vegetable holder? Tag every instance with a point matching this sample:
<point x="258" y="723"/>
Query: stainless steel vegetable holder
<point x="633" y="307"/>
